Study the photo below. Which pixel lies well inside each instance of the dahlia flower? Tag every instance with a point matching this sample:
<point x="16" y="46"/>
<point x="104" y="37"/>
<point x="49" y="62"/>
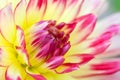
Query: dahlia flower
<point x="57" y="40"/>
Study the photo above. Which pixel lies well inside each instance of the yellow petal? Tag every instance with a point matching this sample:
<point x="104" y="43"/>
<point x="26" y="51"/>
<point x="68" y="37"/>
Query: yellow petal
<point x="20" y="14"/>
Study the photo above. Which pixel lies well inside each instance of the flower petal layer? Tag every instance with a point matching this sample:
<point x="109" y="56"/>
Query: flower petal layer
<point x="7" y="25"/>
<point x="84" y="28"/>
<point x="20" y="10"/>
<point x="35" y="11"/>
<point x="14" y="73"/>
<point x="67" y="67"/>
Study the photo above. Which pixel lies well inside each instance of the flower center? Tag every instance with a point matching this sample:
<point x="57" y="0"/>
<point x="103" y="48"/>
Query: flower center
<point x="48" y="40"/>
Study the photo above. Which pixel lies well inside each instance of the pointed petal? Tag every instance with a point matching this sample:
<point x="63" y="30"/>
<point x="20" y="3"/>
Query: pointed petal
<point x="114" y="48"/>
<point x="79" y="58"/>
<point x="54" y="5"/>
<point x="84" y="28"/>
<point x="72" y="9"/>
<point x="99" y="67"/>
<point x="106" y="67"/>
<point x="104" y="40"/>
<point x="55" y="62"/>
<point x="20" y="10"/>
<point x="35" y="11"/>
<point x="7" y="25"/>
<point x="98" y="44"/>
<point x="65" y="49"/>
<point x="65" y="68"/>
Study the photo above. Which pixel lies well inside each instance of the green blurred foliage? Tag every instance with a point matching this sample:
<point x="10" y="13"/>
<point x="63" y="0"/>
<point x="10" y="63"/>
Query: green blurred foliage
<point x="115" y="5"/>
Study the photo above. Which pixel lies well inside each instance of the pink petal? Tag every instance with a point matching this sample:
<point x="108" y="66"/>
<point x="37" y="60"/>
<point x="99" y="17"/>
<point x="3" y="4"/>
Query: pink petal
<point x="66" y="28"/>
<point x="7" y="26"/>
<point x="65" y="68"/>
<point x="12" y="74"/>
<point x="20" y="38"/>
<point x="106" y="67"/>
<point x="21" y="44"/>
<point x="103" y="41"/>
<point x="22" y="53"/>
<point x="37" y="77"/>
<point x="84" y="28"/>
<point x="69" y="28"/>
<point x="54" y="62"/>
<point x="35" y="11"/>
<point x="79" y="58"/>
<point x="114" y="49"/>
<point x="113" y="29"/>
<point x="43" y="52"/>
<point x="65" y="48"/>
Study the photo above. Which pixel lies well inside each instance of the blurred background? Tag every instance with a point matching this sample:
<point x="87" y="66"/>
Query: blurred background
<point x="114" y="5"/>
